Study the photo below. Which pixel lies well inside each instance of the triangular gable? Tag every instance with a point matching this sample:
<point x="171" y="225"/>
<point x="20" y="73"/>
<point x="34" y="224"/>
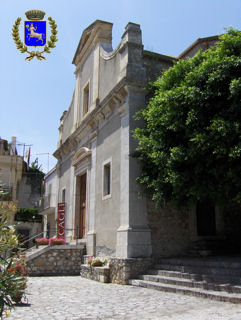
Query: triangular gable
<point x="100" y="30"/>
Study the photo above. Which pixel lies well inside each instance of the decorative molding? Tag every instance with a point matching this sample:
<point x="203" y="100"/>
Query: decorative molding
<point x="95" y="118"/>
<point x="81" y="154"/>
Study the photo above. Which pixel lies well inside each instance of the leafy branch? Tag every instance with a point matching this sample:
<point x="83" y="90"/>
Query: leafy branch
<point x="15" y="33"/>
<point x="53" y="38"/>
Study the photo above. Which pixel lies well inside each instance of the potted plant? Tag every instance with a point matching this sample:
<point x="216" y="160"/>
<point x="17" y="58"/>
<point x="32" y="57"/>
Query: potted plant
<point x="96" y="261"/>
<point x="42" y="241"/>
<point x="56" y="241"/>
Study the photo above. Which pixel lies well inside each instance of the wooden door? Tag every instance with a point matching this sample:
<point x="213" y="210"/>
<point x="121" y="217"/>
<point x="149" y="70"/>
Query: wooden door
<point x="82" y="216"/>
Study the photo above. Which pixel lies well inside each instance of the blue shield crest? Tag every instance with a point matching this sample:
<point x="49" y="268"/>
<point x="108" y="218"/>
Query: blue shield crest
<point x="35" y="33"/>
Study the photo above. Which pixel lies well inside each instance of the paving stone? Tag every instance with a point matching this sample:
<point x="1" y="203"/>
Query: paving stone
<point x="76" y="298"/>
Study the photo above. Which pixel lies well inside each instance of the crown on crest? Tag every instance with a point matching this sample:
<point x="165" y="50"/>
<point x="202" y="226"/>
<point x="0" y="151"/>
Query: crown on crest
<point x="35" y="14"/>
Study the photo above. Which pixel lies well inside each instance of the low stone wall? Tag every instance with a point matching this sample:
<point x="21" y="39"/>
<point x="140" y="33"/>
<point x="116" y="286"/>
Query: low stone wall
<point x="121" y="270"/>
<point x="101" y="274"/>
<point x="55" y="261"/>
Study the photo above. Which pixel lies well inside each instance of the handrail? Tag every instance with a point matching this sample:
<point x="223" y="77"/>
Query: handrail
<point x="21" y="244"/>
<point x="48" y="231"/>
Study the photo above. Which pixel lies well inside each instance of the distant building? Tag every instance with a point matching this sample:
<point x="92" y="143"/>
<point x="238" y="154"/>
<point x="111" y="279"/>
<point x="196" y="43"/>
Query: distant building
<point x="20" y="184"/>
<point x="11" y="168"/>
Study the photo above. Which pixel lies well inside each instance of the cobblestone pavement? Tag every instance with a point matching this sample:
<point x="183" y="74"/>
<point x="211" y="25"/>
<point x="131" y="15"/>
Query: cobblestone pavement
<point x="75" y="298"/>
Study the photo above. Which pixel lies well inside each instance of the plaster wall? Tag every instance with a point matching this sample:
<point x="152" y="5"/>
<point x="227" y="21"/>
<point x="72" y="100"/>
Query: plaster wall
<point x="65" y="183"/>
<point x="108" y="210"/>
<point x="53" y="181"/>
<point x="85" y="75"/>
<point x="112" y="70"/>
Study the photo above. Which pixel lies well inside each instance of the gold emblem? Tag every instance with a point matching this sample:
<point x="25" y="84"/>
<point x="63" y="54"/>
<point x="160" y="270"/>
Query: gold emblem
<point x="35" y="34"/>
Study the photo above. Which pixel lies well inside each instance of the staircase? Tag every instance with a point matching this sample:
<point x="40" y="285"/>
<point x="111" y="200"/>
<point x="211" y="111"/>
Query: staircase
<point x="216" y="278"/>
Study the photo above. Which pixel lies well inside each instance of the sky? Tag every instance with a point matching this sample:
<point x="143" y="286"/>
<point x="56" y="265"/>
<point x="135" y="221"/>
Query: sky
<point x="33" y="95"/>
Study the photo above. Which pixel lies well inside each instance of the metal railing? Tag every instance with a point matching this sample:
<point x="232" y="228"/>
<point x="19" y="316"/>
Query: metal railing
<point x="52" y="232"/>
<point x="30" y="242"/>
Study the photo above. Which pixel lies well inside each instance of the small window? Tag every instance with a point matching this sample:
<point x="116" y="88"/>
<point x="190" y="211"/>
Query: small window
<point x="86" y="99"/>
<point x="107" y="179"/>
<point x="63" y="195"/>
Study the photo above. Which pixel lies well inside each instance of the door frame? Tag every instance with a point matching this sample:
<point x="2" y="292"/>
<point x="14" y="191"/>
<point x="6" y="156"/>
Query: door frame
<point x="81" y="163"/>
<point x="80" y="229"/>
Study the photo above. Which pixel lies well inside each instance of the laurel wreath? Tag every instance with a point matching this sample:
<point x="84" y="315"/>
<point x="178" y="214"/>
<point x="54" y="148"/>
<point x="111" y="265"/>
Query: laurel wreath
<point x="23" y="48"/>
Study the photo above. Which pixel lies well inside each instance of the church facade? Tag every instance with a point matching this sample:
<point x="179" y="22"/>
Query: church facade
<point x="95" y="171"/>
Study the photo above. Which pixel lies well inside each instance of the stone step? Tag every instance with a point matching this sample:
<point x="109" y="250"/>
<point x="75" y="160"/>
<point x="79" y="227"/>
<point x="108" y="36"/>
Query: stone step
<point x="197" y="277"/>
<point x="177" y="274"/>
<point x="197" y="292"/>
<point x="192" y="284"/>
<point x="212" y="262"/>
<point x="202" y="269"/>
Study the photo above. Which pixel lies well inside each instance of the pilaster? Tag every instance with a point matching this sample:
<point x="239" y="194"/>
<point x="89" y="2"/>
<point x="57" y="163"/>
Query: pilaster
<point x="91" y="234"/>
<point x="133" y="235"/>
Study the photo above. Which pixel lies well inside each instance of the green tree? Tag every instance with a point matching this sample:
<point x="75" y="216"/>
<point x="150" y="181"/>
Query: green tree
<point x="190" y="146"/>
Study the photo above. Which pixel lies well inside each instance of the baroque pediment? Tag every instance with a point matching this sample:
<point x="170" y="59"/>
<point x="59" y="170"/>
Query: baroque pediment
<point x="80" y="155"/>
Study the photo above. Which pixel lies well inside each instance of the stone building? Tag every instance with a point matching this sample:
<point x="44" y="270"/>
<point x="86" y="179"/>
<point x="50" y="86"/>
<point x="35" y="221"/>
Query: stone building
<point x="96" y="176"/>
<point x="11" y="167"/>
<point x="22" y="186"/>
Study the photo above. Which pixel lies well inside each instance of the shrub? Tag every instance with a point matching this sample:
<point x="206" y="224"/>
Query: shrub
<point x="13" y="279"/>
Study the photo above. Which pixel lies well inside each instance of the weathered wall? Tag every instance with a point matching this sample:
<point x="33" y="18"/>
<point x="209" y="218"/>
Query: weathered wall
<point x="29" y="190"/>
<point x="112" y="70"/>
<point x="169" y="231"/>
<point x="155" y="64"/>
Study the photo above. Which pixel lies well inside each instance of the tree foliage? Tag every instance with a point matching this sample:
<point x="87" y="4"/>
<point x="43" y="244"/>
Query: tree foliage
<point x="190" y="147"/>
